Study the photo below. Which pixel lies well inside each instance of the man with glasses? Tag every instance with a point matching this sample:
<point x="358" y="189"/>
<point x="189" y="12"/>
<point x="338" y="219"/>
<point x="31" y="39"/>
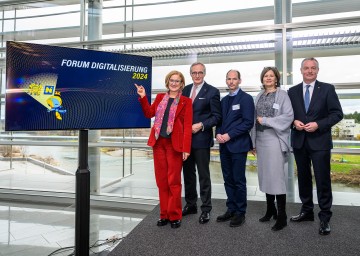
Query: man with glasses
<point x="206" y="115"/>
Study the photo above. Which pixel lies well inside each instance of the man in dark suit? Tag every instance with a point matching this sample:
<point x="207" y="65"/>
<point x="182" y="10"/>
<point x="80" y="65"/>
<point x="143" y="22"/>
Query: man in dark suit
<point x="206" y="114"/>
<point x="316" y="109"/>
<point x="233" y="134"/>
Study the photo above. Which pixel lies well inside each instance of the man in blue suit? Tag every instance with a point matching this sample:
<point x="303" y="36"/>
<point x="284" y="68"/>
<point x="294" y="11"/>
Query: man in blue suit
<point x="206" y="115"/>
<point x="235" y="142"/>
<point x="316" y="109"/>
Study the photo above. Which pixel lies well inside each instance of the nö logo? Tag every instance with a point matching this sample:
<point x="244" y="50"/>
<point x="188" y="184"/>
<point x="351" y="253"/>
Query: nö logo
<point x="49" y="89"/>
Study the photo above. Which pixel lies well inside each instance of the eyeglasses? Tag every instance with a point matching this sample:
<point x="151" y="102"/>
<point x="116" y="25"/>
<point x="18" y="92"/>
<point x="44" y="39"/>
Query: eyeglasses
<point x="197" y="73"/>
<point x="174" y="81"/>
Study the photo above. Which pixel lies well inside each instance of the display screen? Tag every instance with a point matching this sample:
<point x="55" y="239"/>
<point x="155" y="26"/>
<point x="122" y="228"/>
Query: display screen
<point x="60" y="88"/>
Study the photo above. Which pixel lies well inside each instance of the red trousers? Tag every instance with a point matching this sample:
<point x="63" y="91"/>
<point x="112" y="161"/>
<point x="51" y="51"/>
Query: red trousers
<point x="168" y="164"/>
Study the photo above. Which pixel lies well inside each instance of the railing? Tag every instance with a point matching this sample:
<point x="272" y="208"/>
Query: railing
<point x="130" y="142"/>
<point x="127" y="143"/>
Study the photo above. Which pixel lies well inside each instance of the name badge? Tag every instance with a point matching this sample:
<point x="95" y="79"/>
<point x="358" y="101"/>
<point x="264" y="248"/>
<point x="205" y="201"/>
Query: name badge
<point x="276" y="106"/>
<point x="236" y="107"/>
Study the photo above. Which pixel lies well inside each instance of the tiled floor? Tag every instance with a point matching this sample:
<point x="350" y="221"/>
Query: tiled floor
<point x="40" y="229"/>
<point x="36" y="230"/>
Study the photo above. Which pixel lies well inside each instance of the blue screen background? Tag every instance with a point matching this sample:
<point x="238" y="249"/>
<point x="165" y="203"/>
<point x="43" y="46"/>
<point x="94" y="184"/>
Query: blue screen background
<point x="92" y="98"/>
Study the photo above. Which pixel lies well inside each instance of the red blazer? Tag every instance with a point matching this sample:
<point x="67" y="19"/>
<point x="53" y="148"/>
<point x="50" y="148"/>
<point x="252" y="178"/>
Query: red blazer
<point x="182" y="129"/>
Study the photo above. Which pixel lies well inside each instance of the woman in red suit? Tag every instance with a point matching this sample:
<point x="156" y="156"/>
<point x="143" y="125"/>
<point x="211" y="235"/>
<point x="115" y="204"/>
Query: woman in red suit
<point x="170" y="138"/>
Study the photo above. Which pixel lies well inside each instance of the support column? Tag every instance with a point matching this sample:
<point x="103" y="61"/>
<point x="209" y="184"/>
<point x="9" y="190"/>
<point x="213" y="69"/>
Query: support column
<point x="283" y="61"/>
<point x="94" y="33"/>
<point x="82" y="200"/>
<point x="283" y="42"/>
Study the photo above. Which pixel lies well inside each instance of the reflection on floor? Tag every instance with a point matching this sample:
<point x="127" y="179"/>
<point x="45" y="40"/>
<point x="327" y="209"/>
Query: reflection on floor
<point x="36" y="230"/>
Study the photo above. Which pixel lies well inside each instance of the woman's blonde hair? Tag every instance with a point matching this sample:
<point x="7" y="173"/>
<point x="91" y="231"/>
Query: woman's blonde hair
<point x="170" y="74"/>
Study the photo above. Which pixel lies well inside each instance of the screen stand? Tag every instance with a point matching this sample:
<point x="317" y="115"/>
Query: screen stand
<point x="82" y="198"/>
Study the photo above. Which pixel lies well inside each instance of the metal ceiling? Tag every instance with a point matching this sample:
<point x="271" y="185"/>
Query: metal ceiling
<point x="339" y="40"/>
<point x="181" y="22"/>
<point x="345" y="43"/>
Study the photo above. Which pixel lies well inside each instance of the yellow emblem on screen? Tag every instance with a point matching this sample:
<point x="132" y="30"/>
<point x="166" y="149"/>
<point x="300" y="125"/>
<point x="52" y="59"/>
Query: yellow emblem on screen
<point x="35" y="89"/>
<point x="42" y="87"/>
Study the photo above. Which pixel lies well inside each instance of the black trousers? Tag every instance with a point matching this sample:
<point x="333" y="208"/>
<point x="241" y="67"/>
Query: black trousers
<point x="320" y="160"/>
<point x="199" y="159"/>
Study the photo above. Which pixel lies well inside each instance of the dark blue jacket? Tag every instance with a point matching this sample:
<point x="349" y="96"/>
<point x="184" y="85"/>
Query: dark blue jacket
<point x="206" y="109"/>
<point x="237" y="121"/>
<point x="324" y="109"/>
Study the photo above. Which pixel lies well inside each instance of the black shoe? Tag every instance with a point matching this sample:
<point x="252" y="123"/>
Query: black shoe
<point x="302" y="216"/>
<point x="189" y="210"/>
<point x="279" y="224"/>
<point x="268" y="217"/>
<point x="237" y="220"/>
<point x="204" y="217"/>
<point x="162" y="222"/>
<point x="175" y="223"/>
<point x="271" y="210"/>
<point x="324" y="228"/>
<point x="225" y="217"/>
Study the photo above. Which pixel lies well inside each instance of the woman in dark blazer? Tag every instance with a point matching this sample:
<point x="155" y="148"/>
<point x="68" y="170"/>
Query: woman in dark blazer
<point x="170" y="138"/>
